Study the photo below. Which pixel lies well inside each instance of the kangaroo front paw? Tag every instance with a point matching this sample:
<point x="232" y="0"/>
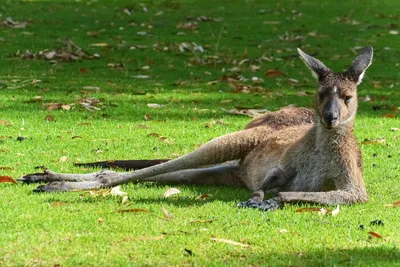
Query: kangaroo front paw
<point x="270" y="204"/>
<point x="251" y="203"/>
<point x="266" y="205"/>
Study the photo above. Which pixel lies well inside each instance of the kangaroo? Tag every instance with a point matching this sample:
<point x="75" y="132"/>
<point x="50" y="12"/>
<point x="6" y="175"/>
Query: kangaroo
<point x="301" y="155"/>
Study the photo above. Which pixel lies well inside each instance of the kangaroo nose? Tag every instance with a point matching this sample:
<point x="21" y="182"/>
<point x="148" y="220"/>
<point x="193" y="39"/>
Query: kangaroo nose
<point x="331" y="117"/>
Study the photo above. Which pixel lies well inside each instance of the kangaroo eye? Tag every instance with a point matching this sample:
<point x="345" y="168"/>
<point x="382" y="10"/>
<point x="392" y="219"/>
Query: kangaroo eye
<point x="347" y="99"/>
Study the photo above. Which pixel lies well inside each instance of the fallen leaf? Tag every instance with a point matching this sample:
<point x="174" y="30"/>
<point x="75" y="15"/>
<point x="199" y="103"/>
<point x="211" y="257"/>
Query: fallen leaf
<point x="99" y="45"/>
<point x="6" y="168"/>
<point x="132" y="210"/>
<point x="375" y="234"/>
<point x="3" y="122"/>
<point x="49" y="118"/>
<point x="203" y="197"/>
<point x="374" y="141"/>
<point x="146" y="238"/>
<point x="7" y="179"/>
<point x="201" y="221"/>
<point x="124" y="200"/>
<point x="53" y="106"/>
<point x="147" y="117"/>
<point x="394" y="205"/>
<point x="336" y="211"/>
<point x="63" y="159"/>
<point x="58" y="203"/>
<point x="116" y="192"/>
<point x="151" y="105"/>
<point x="170" y="192"/>
<point x="389" y="116"/>
<point x="274" y="73"/>
<point x="312" y="210"/>
<point x="231" y="242"/>
<point x="100" y="220"/>
<point x="166" y="213"/>
<point x="83" y="70"/>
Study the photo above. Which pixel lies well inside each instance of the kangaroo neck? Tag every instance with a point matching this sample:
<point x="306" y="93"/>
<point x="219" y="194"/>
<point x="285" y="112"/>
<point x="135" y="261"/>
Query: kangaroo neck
<point x="335" y="137"/>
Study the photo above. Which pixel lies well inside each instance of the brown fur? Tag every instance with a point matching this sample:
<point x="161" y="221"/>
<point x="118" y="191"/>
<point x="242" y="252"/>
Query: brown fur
<point x="302" y="154"/>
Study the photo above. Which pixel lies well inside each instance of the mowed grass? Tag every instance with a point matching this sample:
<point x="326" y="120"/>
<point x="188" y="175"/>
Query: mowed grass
<point x="143" y="61"/>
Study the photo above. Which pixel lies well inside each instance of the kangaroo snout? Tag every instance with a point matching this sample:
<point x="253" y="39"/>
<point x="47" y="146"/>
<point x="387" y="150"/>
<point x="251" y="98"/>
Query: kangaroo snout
<point x="331" y="114"/>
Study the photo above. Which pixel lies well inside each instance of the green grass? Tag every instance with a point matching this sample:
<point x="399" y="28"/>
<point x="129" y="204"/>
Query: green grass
<point x="73" y="229"/>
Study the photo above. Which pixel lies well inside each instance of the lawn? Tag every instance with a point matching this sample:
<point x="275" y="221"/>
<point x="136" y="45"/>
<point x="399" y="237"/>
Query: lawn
<point x="85" y="81"/>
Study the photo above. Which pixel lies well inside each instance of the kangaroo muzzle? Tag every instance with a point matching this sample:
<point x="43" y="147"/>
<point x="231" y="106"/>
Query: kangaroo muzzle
<point x="331" y="114"/>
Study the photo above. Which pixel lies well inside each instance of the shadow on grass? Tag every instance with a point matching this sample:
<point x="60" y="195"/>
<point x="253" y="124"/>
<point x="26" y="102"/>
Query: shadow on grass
<point x="367" y="256"/>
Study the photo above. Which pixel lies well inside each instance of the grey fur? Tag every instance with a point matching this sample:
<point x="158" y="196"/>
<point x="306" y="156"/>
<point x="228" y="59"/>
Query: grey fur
<point x="299" y="154"/>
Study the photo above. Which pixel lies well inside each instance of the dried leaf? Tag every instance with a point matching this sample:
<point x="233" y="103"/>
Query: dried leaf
<point x="147" y="117"/>
<point x="132" y="210"/>
<point x="394" y="205"/>
<point x="53" y="106"/>
<point x="7" y="179"/>
<point x="124" y="200"/>
<point x="312" y="210"/>
<point x="201" y="221"/>
<point x="116" y="192"/>
<point x="274" y="73"/>
<point x="203" y="197"/>
<point x="166" y="213"/>
<point x="83" y="70"/>
<point x="375" y="234"/>
<point x="151" y="105"/>
<point x="6" y="168"/>
<point x="374" y="141"/>
<point x="336" y="211"/>
<point x="3" y="122"/>
<point x="231" y="242"/>
<point x="99" y="45"/>
<point x="63" y="159"/>
<point x="389" y="116"/>
<point x="49" y="118"/>
<point x="171" y="192"/>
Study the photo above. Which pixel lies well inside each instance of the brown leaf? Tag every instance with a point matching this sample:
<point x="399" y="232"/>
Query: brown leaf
<point x="389" y="116"/>
<point x="58" y="203"/>
<point x="153" y="135"/>
<point x="166" y="213"/>
<point x="3" y="122"/>
<point x="7" y="179"/>
<point x="83" y="70"/>
<point x="6" y="168"/>
<point x="147" y="117"/>
<point x="375" y="234"/>
<point x="132" y="210"/>
<point x="201" y="221"/>
<point x="76" y="137"/>
<point x="203" y="197"/>
<point x="274" y="73"/>
<point x="231" y="242"/>
<point x="374" y="141"/>
<point x="311" y="210"/>
<point x="49" y="118"/>
<point x="53" y="106"/>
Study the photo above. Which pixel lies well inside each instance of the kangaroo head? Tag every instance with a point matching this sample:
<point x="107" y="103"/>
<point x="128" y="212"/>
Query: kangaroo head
<point x="336" y="98"/>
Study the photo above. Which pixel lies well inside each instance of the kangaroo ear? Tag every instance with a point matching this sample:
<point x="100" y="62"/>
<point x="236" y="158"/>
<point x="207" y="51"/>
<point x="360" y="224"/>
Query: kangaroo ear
<point x="360" y="64"/>
<point x="318" y="69"/>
